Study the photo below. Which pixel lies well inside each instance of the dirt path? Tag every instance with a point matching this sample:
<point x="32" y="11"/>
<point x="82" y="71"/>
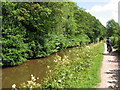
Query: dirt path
<point x="110" y="74"/>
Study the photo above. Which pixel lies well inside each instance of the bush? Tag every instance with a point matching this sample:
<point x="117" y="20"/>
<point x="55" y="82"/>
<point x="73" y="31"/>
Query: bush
<point x="38" y="29"/>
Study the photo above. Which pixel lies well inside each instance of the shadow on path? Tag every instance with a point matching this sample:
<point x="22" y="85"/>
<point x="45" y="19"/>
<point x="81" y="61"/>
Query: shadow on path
<point x="119" y="70"/>
<point x="114" y="73"/>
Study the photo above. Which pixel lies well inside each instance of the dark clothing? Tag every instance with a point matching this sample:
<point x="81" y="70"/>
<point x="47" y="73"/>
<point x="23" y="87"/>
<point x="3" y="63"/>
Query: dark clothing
<point x="100" y="39"/>
<point x="109" y="45"/>
<point x="109" y="42"/>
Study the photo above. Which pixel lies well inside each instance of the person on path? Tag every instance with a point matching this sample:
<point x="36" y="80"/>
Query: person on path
<point x="109" y="45"/>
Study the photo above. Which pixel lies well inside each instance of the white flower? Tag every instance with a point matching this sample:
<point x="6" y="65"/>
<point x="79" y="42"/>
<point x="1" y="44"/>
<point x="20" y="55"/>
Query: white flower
<point x="55" y="60"/>
<point x="59" y="81"/>
<point x="59" y="58"/>
<point x="37" y="77"/>
<point x="48" y="66"/>
<point x="88" y="47"/>
<point x="13" y="86"/>
<point x="30" y="82"/>
<point x="63" y="77"/>
<point x="30" y="87"/>
<point x="34" y="83"/>
<point x="50" y="70"/>
<point x="32" y="78"/>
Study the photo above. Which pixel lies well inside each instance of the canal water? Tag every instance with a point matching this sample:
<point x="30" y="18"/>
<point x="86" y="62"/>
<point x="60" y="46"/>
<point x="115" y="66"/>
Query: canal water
<point x="37" y="67"/>
<point x="22" y="73"/>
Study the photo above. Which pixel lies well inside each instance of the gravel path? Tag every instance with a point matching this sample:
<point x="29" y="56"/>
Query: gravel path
<point x="110" y="74"/>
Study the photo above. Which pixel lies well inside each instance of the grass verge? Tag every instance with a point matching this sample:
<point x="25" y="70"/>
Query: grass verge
<point x="78" y="67"/>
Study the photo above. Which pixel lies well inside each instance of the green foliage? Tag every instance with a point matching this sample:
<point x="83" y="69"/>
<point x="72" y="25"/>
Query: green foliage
<point x="112" y="28"/>
<point x="38" y="29"/>
<point x="115" y="40"/>
<point x="113" y="31"/>
<point x="13" y="47"/>
<point x="89" y="25"/>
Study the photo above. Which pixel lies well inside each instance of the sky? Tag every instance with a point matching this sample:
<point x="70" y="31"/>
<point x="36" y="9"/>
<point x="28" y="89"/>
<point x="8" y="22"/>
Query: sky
<point x="104" y="10"/>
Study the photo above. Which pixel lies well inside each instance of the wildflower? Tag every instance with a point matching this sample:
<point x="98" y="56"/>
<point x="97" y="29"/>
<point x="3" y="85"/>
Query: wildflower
<point x="69" y="50"/>
<point x="31" y="87"/>
<point x="13" y="86"/>
<point x="33" y="78"/>
<point x="59" y="81"/>
<point x="65" y="56"/>
<point x="31" y="75"/>
<point x="50" y="70"/>
<point x="48" y="66"/>
<point x="37" y="77"/>
<point x="55" y="60"/>
<point x="38" y="85"/>
<point x="34" y="83"/>
<point x="59" y="58"/>
<point x="88" y="47"/>
<point x="63" y="77"/>
<point x="63" y="59"/>
<point x="30" y="82"/>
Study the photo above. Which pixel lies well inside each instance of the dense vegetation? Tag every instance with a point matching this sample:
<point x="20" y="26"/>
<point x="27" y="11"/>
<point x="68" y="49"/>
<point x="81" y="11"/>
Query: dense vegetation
<point x="38" y="29"/>
<point x="74" y="69"/>
<point x="113" y="31"/>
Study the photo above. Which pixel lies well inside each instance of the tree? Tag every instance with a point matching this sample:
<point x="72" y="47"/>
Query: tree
<point x="113" y="31"/>
<point x="38" y="29"/>
<point x="112" y="27"/>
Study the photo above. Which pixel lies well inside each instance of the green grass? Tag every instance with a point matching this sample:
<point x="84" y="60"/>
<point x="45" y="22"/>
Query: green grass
<point x="77" y="67"/>
<point x="93" y="74"/>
